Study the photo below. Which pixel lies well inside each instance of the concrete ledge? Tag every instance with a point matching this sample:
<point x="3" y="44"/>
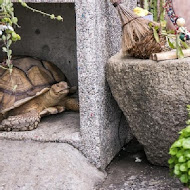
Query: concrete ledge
<point x="64" y="127"/>
<point x="33" y="165"/>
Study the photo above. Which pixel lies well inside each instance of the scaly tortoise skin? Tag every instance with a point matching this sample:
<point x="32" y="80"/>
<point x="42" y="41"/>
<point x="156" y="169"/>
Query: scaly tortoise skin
<point x="42" y="89"/>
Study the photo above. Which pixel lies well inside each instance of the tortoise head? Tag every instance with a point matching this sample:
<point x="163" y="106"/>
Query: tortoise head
<point x="60" y="89"/>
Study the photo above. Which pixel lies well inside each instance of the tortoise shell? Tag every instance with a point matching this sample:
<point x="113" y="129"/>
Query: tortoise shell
<point x="29" y="78"/>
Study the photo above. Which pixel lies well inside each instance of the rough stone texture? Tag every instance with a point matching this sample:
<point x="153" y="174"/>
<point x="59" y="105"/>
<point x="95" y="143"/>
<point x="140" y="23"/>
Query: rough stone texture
<point x="49" y="39"/>
<point x="98" y="38"/>
<point x="153" y="97"/>
<point x="62" y="128"/>
<point x="103" y="128"/>
<point x="26" y="165"/>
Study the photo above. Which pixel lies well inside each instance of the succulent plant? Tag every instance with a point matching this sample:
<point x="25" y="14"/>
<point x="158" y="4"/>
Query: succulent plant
<point x="179" y="162"/>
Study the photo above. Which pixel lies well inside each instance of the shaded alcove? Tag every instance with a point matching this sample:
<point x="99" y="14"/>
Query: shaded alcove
<point x="54" y="41"/>
<point x="49" y="39"/>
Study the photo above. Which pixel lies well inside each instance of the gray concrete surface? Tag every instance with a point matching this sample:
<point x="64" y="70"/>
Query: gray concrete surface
<point x="63" y="127"/>
<point x="49" y="39"/>
<point x="153" y="96"/>
<point x="27" y="165"/>
<point x="126" y="174"/>
<point x="98" y="38"/>
<point x="81" y="45"/>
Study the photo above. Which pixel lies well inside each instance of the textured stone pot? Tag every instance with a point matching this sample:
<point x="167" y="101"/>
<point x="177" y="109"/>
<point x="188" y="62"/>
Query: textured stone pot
<point x="153" y="97"/>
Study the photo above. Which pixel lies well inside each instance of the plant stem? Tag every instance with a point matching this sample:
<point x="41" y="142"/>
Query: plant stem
<point x="146" y="4"/>
<point x="38" y="11"/>
<point x="155" y="10"/>
<point x="3" y="67"/>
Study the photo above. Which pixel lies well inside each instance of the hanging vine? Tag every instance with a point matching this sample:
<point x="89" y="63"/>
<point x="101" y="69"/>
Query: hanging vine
<point x="8" y="23"/>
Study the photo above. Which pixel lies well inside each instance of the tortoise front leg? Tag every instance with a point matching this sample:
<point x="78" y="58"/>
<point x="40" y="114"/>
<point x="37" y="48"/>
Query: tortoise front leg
<point x="72" y="104"/>
<point x="23" y="122"/>
<point x="52" y="110"/>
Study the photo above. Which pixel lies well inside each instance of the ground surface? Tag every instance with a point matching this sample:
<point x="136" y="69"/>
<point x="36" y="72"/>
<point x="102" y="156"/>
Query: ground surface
<point x="46" y="158"/>
<point x="42" y="160"/>
<point x="126" y="174"/>
<point x="29" y="165"/>
<point x="63" y="127"/>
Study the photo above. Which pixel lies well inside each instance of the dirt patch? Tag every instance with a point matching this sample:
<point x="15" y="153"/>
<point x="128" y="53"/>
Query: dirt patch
<point x="130" y="170"/>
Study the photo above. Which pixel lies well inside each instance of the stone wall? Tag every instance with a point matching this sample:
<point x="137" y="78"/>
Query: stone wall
<point x="49" y="39"/>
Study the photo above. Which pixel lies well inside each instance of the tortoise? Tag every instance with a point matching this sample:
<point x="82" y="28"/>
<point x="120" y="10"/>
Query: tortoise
<point x="34" y="89"/>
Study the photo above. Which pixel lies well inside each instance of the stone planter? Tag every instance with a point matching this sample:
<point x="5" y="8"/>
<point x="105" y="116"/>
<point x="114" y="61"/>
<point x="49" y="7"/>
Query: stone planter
<point x="153" y="97"/>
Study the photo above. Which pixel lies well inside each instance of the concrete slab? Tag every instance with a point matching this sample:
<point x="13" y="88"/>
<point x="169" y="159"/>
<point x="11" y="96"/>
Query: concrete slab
<point x="28" y="165"/>
<point x="64" y="127"/>
<point x="130" y="170"/>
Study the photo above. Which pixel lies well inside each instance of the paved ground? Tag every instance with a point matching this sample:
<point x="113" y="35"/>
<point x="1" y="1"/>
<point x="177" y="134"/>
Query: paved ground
<point x="29" y="165"/>
<point x="42" y="160"/>
<point x="126" y="174"/>
<point x="63" y="128"/>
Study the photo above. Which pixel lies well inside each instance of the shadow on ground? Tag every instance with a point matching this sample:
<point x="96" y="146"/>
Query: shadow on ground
<point x="130" y="170"/>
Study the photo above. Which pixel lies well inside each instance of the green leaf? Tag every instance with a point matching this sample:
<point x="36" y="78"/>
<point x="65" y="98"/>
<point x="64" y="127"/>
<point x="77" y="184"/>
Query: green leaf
<point x="9" y="42"/>
<point x="9" y="52"/>
<point x="177" y="143"/>
<point x="177" y="166"/>
<point x="156" y="36"/>
<point x="186" y="143"/>
<point x="186" y="132"/>
<point x="183" y="167"/>
<point x="177" y="172"/>
<point x="4" y="49"/>
<point x="187" y="154"/>
<point x="188" y="164"/>
<point x="181" y="159"/>
<point x="180" y="153"/>
<point x="59" y="18"/>
<point x="156" y="28"/>
<point x="150" y="24"/>
<point x="163" y="23"/>
<point x="3" y="37"/>
<point x="52" y="16"/>
<point x="177" y="169"/>
<point x="15" y="20"/>
<point x="184" y="178"/>
<point x="180" y="54"/>
<point x="173" y="151"/>
<point x="14" y="34"/>
<point x="171" y="44"/>
<point x="178" y="48"/>
<point x="185" y="45"/>
<point x="24" y="4"/>
<point x="171" y="160"/>
<point x="8" y="36"/>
